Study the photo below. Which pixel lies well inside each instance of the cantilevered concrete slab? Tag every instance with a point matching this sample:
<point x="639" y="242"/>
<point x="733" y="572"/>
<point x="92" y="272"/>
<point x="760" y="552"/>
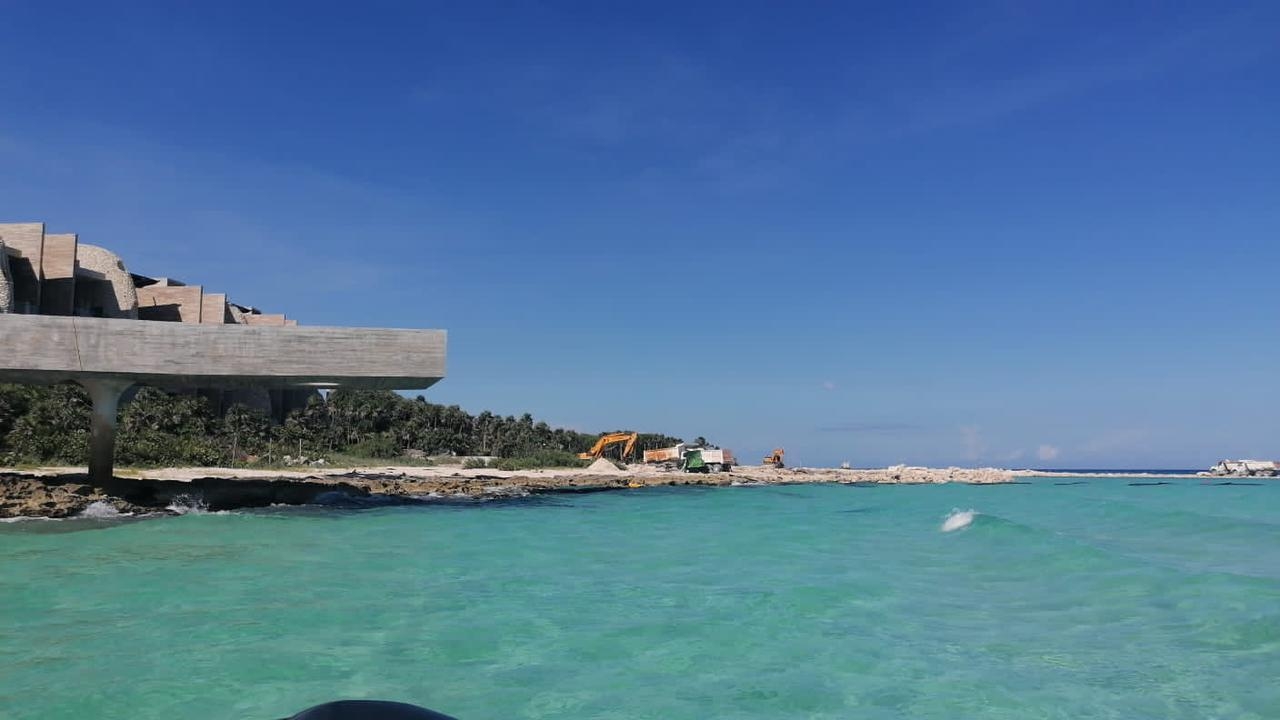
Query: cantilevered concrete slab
<point x="46" y="349"/>
<point x="108" y="356"/>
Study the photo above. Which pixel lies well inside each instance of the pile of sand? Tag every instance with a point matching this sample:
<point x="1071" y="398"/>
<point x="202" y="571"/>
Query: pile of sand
<point x="604" y="465"/>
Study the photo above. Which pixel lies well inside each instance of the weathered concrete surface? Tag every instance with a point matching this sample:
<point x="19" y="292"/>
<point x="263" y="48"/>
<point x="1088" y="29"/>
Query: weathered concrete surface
<point x="58" y="266"/>
<point x="109" y="355"/>
<point x="105" y="395"/>
<point x="71" y="312"/>
<point x="177" y="303"/>
<point x="54" y="349"/>
<point x="24" y="243"/>
<point x="265" y="319"/>
<point x="213" y="309"/>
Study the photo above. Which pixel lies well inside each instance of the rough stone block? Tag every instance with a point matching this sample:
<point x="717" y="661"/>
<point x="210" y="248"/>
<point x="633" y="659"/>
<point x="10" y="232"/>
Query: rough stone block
<point x="213" y="309"/>
<point x="58" y="267"/>
<point x="265" y="319"/>
<point x="104" y="287"/>
<point x="180" y="303"/>
<point x="25" y="245"/>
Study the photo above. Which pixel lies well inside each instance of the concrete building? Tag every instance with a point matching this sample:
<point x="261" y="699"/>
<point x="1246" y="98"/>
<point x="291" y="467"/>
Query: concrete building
<point x="70" y="311"/>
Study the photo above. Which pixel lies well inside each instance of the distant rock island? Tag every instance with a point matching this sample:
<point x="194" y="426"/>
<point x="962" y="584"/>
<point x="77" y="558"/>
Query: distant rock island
<point x="1243" y="468"/>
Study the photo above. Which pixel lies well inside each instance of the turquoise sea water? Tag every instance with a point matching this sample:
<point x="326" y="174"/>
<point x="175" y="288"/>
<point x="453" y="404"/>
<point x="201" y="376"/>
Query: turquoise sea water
<point x="1095" y="600"/>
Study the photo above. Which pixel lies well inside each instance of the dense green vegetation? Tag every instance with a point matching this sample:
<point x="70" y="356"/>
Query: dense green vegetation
<point x="51" y="425"/>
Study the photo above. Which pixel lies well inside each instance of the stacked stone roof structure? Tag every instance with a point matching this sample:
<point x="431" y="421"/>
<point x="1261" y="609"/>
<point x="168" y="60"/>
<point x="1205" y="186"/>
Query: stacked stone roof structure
<point x="43" y="273"/>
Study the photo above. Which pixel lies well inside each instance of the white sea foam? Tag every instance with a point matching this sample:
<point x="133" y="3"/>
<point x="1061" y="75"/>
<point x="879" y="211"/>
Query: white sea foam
<point x="100" y="510"/>
<point x="188" y="505"/>
<point x="958" y="520"/>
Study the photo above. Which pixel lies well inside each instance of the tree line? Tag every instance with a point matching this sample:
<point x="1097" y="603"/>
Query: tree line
<point x="50" y="424"/>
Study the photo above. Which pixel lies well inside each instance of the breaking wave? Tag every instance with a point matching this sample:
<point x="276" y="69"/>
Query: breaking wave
<point x="958" y="520"/>
<point x="101" y="510"/>
<point x="188" y="505"/>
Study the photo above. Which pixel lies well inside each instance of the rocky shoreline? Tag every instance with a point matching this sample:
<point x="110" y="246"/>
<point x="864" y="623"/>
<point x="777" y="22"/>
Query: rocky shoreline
<point x="57" y="493"/>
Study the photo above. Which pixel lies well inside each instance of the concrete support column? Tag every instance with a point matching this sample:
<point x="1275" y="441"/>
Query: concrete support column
<point x="105" y="395"/>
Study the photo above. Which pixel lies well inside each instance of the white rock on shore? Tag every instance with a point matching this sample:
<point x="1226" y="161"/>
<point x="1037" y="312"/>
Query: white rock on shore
<point x="1243" y="468"/>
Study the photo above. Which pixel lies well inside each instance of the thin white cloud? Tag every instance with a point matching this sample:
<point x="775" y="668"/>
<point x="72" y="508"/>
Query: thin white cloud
<point x="1047" y="452"/>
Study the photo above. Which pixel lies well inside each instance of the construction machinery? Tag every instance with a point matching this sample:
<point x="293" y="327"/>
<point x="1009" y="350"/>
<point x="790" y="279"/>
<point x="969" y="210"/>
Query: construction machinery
<point x="692" y="458"/>
<point x="669" y="455"/>
<point x="775" y="458"/>
<point x="708" y="459"/>
<point x="597" y="451"/>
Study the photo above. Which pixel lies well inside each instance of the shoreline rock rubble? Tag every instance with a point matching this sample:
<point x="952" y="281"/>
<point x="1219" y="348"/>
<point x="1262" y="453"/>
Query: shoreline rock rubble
<point x="62" y="492"/>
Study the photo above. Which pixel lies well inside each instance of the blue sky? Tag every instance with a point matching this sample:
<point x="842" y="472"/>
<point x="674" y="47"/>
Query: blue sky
<point x="970" y="233"/>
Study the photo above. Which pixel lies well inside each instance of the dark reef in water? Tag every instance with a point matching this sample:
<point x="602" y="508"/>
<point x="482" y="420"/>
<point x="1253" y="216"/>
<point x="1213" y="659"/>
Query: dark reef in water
<point x="61" y="496"/>
<point x="67" y="495"/>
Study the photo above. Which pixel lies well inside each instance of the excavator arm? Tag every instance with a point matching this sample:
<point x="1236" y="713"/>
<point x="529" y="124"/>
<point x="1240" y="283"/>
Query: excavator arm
<point x="605" y="441"/>
<point x="775" y="458"/>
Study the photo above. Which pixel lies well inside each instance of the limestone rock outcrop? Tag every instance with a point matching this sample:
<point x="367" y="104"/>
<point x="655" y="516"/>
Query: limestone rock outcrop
<point x="103" y="284"/>
<point x="1244" y="468"/>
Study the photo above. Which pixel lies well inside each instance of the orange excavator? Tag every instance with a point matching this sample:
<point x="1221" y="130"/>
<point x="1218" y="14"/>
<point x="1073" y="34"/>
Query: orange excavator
<point x="775" y="459"/>
<point x="597" y="451"/>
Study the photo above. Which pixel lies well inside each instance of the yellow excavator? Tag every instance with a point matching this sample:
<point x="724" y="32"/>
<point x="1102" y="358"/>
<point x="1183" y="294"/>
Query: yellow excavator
<point x="774" y="459"/>
<point x="597" y="451"/>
